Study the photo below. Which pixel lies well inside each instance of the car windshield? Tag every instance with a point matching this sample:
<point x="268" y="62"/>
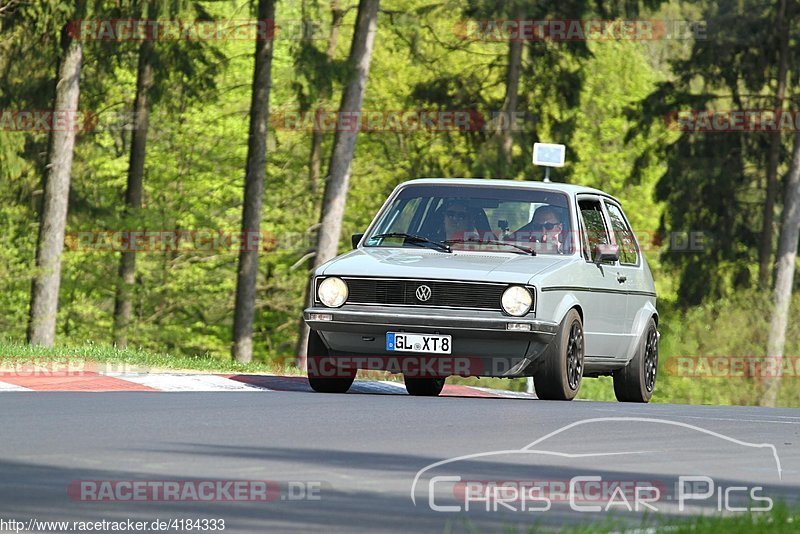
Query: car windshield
<point x="498" y="219"/>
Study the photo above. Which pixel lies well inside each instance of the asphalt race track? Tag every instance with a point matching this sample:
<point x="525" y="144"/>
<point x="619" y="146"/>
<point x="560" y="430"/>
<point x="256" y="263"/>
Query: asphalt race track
<point x="349" y="462"/>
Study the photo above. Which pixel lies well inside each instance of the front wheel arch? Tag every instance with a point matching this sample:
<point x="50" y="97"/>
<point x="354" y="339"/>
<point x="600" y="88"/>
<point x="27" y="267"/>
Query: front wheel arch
<point x="567" y="303"/>
<point x="637" y="380"/>
<point x="640" y="324"/>
<point x="561" y="371"/>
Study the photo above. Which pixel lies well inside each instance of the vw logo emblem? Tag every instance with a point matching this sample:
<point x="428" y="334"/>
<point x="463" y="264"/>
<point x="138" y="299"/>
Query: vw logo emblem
<point x="423" y="293"/>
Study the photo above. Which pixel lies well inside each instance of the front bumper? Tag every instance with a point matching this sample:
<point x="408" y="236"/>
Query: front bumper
<point x="350" y="318"/>
<point x="482" y="337"/>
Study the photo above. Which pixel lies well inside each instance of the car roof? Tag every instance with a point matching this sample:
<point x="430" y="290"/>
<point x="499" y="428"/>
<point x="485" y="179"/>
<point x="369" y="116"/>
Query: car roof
<point x="570" y="189"/>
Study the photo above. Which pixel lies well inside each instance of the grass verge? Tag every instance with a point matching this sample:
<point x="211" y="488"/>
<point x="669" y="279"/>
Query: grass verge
<point x="16" y="352"/>
<point x="781" y="519"/>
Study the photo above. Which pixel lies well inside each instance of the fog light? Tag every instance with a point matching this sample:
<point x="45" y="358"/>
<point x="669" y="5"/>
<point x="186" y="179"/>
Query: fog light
<point x="519" y="327"/>
<point x="320" y="317"/>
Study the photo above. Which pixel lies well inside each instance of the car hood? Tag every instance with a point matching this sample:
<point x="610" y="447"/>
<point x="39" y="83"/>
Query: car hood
<point x="459" y="265"/>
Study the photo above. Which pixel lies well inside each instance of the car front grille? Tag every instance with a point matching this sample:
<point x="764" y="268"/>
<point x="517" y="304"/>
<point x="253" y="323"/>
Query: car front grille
<point x="445" y="294"/>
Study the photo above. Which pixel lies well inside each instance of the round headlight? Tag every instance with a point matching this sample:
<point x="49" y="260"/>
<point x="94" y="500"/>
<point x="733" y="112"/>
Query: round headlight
<point x="517" y="301"/>
<point x="332" y="292"/>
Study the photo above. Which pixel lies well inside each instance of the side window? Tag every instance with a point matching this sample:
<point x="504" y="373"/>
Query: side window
<point x="593" y="225"/>
<point x="623" y="235"/>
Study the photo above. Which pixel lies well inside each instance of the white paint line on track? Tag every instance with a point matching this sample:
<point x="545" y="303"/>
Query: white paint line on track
<point x="5" y="386"/>
<point x="792" y="418"/>
<point x="377" y="386"/>
<point x="737" y="419"/>
<point x="183" y="382"/>
<point x="667" y="415"/>
<point x="506" y="393"/>
<point x="397" y="385"/>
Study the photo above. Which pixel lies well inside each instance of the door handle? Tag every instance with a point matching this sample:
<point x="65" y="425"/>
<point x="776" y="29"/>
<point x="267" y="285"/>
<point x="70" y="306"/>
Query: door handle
<point x="621" y="278"/>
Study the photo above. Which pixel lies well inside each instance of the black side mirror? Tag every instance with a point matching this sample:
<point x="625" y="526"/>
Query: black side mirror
<point x="355" y="238"/>
<point x="603" y="253"/>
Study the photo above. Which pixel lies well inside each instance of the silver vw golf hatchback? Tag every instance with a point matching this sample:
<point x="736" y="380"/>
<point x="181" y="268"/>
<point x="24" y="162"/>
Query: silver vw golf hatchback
<point x="478" y="277"/>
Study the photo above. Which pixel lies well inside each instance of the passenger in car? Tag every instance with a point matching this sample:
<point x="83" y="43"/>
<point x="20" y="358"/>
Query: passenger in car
<point x="545" y="228"/>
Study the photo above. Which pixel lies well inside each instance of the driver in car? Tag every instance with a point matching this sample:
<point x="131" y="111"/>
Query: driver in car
<point x="459" y="221"/>
<point x="458" y="224"/>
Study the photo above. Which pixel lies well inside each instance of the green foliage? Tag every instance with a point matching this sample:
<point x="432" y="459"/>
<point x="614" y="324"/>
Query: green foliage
<point x="714" y="180"/>
<point x="733" y="327"/>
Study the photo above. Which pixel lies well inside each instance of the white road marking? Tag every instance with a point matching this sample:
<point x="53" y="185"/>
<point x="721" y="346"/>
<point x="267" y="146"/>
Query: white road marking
<point x="395" y="385"/>
<point x="377" y="386"/>
<point x="184" y="382"/>
<point x="706" y="417"/>
<point x="212" y="382"/>
<point x="5" y="386"/>
<point x="506" y="393"/>
<point x="737" y="419"/>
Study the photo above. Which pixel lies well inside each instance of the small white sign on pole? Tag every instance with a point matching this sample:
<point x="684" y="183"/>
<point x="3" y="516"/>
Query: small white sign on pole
<point x="548" y="154"/>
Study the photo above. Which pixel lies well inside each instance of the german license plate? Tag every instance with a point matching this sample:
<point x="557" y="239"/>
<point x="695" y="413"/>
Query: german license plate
<point x="430" y="343"/>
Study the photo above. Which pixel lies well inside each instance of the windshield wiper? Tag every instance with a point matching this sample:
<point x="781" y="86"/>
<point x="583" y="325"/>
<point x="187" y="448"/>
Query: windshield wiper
<point x="527" y="250"/>
<point x="414" y="239"/>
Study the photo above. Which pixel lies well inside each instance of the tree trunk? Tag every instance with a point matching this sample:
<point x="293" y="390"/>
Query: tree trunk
<point x="47" y="278"/>
<point x="344" y="142"/>
<point x="255" y="174"/>
<point x="133" y="195"/>
<point x="784" y="275"/>
<point x="317" y="136"/>
<point x="506" y="120"/>
<point x="315" y="167"/>
<point x="765" y="250"/>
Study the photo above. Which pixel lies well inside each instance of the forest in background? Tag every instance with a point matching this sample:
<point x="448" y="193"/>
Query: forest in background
<point x="707" y="206"/>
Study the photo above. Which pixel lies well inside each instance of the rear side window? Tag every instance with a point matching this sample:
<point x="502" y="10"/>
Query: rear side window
<point x="628" y="253"/>
<point x="594" y="225"/>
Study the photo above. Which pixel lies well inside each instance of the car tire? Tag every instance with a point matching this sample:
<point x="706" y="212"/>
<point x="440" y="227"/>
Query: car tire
<point x="636" y="381"/>
<point x="424" y="387"/>
<point x="318" y="361"/>
<point x="561" y="372"/>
